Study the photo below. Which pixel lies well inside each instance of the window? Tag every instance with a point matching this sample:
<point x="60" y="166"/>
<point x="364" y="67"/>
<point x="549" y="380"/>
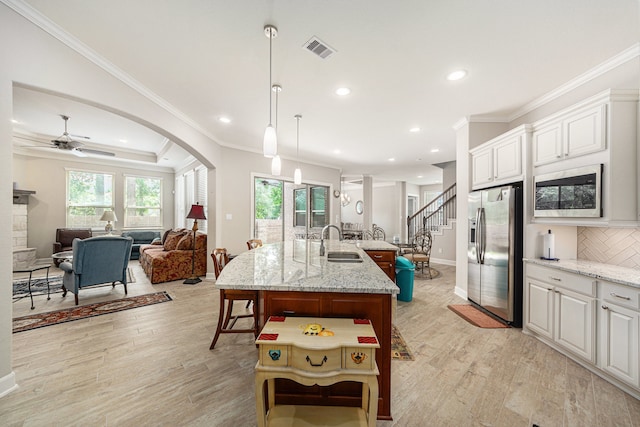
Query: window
<point x="319" y="206"/>
<point x="300" y="207"/>
<point x="142" y="202"/>
<point x="89" y="194"/>
<point x="318" y="203"/>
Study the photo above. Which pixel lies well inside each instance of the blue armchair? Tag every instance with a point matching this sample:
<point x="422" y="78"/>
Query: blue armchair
<point x="96" y="260"/>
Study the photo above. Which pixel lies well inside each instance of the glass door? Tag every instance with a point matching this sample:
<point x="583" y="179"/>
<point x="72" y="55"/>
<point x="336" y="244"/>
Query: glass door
<point x="268" y="208"/>
<point x="286" y="211"/>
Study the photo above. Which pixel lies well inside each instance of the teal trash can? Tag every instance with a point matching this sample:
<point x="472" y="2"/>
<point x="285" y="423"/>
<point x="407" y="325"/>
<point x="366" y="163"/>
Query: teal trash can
<point x="404" y="278"/>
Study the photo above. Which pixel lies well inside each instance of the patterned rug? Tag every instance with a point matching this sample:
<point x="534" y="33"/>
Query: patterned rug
<point x="34" y="321"/>
<point x="399" y="349"/>
<point x="39" y="285"/>
<point x="476" y="317"/>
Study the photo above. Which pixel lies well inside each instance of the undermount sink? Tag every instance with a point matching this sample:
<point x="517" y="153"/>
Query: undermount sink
<point x="341" y="256"/>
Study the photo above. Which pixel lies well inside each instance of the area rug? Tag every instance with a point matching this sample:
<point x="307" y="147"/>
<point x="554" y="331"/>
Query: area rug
<point x="476" y="317"/>
<point x="39" y="285"/>
<point x="399" y="349"/>
<point x="34" y="321"/>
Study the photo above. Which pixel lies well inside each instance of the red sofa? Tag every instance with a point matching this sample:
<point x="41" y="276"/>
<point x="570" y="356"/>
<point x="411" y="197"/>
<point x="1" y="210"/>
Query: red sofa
<point x="171" y="259"/>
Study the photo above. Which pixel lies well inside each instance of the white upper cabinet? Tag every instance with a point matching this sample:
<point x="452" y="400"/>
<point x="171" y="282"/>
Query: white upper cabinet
<point x="499" y="161"/>
<point x="580" y="132"/>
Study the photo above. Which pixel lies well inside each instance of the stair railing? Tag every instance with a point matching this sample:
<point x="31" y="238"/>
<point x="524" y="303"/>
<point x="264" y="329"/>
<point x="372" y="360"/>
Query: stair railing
<point x="435" y="214"/>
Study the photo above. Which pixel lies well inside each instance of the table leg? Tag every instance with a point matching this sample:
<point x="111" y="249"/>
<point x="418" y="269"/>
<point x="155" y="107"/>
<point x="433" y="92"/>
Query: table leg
<point x="30" y="294"/>
<point x="48" y="288"/>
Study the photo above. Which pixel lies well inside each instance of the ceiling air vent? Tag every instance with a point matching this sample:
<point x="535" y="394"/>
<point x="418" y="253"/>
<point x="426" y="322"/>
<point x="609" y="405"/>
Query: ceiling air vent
<point x="319" y="47"/>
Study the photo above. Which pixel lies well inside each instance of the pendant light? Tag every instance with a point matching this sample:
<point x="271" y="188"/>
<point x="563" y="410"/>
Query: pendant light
<point x="297" y="175"/>
<point x="270" y="142"/>
<point x="276" y="163"/>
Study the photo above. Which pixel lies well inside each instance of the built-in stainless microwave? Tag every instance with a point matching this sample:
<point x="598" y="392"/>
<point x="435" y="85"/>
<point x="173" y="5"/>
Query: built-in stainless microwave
<point x="571" y="193"/>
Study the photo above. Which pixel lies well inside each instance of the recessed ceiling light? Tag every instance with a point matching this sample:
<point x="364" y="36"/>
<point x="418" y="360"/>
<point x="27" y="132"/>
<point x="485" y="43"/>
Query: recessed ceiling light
<point x="343" y="91"/>
<point x="391" y="159"/>
<point x="414" y="130"/>
<point x="225" y="119"/>
<point x="435" y="150"/>
<point x="419" y="176"/>
<point x="336" y="151"/>
<point x="14" y="121"/>
<point x="457" y="75"/>
<point x="124" y="141"/>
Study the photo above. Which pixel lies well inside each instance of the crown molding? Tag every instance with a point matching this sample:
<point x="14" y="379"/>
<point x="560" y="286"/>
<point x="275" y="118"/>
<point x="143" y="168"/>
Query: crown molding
<point x="626" y="55"/>
<point x="50" y="27"/>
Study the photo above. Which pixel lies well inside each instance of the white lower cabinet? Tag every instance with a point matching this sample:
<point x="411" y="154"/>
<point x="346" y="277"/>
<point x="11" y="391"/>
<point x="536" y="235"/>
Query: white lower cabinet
<point x="619" y="333"/>
<point x="563" y="316"/>
<point x="596" y="320"/>
<point x="575" y="323"/>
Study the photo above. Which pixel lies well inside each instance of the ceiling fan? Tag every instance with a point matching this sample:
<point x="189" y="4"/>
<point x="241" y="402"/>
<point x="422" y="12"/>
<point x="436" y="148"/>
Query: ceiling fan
<point x="65" y="142"/>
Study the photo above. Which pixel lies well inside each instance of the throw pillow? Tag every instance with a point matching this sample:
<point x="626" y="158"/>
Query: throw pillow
<point x="186" y="242"/>
<point x="172" y="241"/>
<point x="164" y="236"/>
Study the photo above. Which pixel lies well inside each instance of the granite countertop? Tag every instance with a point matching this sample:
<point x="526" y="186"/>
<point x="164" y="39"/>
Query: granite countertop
<point x="611" y="273"/>
<point x="295" y="265"/>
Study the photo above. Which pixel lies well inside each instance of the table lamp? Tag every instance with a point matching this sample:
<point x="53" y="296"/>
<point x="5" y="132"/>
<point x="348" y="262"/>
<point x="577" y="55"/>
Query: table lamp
<point x="109" y="216"/>
<point x="196" y="213"/>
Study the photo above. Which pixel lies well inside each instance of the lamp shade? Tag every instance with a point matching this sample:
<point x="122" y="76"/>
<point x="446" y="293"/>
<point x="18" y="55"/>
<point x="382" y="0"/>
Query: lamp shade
<point x="109" y="216"/>
<point x="297" y="177"/>
<point x="270" y="143"/>
<point x="196" y="212"/>
<point x="276" y="165"/>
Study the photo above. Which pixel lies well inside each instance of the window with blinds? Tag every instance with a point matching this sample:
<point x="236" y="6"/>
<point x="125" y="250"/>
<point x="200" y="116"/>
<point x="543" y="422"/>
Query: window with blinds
<point x="191" y="188"/>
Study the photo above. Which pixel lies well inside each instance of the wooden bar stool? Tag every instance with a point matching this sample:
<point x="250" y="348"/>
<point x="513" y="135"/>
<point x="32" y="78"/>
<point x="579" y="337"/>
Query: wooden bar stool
<point x="226" y="319"/>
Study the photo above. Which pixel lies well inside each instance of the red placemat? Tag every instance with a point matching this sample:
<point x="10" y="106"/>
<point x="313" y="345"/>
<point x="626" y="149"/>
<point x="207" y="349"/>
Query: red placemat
<point x="277" y="318"/>
<point x="268" y="337"/>
<point x="361" y="322"/>
<point x="367" y="340"/>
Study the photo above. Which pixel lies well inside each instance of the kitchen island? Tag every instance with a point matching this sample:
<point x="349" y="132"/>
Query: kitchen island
<point x="294" y="280"/>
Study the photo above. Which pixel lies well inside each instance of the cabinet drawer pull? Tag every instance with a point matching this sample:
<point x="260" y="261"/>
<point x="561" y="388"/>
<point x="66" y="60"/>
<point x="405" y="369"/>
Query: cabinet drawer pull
<point x="377" y="256"/>
<point x="555" y="278"/>
<point x="605" y="307"/>
<point x="613" y="294"/>
<point x="324" y="359"/>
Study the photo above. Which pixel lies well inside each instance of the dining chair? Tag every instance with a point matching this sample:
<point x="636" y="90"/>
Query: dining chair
<point x="226" y="318"/>
<point x="254" y="243"/>
<point x="421" y="250"/>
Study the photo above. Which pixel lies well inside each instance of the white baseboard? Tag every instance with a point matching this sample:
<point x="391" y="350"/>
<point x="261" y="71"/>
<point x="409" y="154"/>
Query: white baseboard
<point x="460" y="292"/>
<point x="8" y="384"/>
<point x="450" y="262"/>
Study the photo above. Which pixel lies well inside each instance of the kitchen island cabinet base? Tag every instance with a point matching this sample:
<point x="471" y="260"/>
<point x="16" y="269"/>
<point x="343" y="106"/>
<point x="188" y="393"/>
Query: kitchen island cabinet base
<point x="375" y="307"/>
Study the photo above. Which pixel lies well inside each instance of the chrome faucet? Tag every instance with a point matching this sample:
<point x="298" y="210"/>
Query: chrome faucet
<point x="325" y="228"/>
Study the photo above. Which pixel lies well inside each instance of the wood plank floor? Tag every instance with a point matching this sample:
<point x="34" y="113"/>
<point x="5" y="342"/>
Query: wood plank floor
<point x="152" y="366"/>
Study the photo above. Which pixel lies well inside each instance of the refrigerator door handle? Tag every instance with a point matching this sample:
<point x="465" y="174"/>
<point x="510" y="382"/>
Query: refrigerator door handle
<point x="478" y="235"/>
<point x="483" y="239"/>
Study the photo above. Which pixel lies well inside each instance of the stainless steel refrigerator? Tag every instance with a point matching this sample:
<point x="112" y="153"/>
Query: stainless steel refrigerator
<point x="495" y="252"/>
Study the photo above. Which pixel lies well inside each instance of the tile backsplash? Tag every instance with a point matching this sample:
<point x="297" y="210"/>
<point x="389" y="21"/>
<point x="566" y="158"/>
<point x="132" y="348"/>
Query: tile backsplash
<point x="617" y="246"/>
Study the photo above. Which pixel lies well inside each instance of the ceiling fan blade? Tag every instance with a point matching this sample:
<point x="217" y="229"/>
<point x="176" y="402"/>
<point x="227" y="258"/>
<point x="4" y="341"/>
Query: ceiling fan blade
<point x="98" y="152"/>
<point x="79" y="136"/>
<point x="78" y="152"/>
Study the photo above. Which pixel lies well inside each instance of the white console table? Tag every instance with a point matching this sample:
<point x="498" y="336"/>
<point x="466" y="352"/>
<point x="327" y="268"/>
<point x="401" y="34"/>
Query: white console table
<point x="341" y="350"/>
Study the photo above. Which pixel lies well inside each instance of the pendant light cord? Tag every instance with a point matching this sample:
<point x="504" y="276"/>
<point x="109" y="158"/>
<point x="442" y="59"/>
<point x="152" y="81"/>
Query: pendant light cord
<point x="270" y="77"/>
<point x="298" y="138"/>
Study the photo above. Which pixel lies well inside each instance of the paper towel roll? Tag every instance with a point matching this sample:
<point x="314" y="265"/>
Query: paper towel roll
<point x="549" y="246"/>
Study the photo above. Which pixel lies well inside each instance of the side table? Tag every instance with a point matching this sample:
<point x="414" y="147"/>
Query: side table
<point x="317" y="351"/>
<point x="60" y="257"/>
<point x="30" y="270"/>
